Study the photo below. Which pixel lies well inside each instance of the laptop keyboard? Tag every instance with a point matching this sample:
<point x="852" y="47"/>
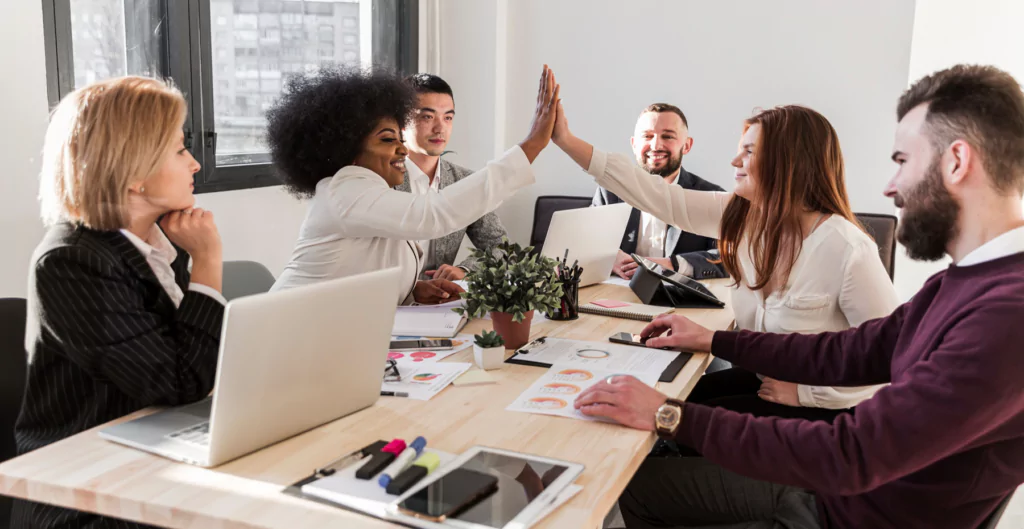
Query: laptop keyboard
<point x="198" y="434"/>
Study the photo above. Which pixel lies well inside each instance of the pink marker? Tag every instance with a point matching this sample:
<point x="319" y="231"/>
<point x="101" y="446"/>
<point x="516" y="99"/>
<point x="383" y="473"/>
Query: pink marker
<point x="396" y="446"/>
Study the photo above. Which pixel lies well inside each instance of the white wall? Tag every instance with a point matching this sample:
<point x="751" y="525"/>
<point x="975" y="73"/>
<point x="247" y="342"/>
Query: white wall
<point x="716" y="60"/>
<point x="946" y="33"/>
<point x="24" y="110"/>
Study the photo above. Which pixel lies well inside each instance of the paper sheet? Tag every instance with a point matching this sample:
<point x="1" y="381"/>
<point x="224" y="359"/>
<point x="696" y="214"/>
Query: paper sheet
<point x="424" y="380"/>
<point x="601" y="355"/>
<point x="426" y="356"/>
<point x="616" y="280"/>
<point x="555" y="392"/>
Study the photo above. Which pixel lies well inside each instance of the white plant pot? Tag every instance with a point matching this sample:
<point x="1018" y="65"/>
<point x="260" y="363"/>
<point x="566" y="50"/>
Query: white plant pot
<point x="490" y="357"/>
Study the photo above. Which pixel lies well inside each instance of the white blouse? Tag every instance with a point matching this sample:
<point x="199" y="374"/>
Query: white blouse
<point x="356" y="223"/>
<point x="837" y="281"/>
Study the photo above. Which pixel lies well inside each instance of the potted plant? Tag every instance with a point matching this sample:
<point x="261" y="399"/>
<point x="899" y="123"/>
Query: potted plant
<point x="488" y="350"/>
<point x="510" y="283"/>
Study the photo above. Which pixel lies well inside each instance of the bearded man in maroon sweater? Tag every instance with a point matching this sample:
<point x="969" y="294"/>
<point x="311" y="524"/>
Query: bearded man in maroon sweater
<point x="943" y="444"/>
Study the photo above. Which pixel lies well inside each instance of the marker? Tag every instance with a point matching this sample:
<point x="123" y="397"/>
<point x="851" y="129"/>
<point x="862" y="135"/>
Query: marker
<point x="402" y="461"/>
<point x="423" y="466"/>
<point x="381" y="459"/>
<point x="395" y="446"/>
<point x="393" y="394"/>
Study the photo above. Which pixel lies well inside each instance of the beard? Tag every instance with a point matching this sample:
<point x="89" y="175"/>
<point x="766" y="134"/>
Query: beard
<point x="928" y="223"/>
<point x="672" y="164"/>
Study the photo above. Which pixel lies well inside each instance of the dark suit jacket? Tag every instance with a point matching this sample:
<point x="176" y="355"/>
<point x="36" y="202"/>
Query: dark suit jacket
<point x="486" y="233"/>
<point x="694" y="249"/>
<point x="104" y="340"/>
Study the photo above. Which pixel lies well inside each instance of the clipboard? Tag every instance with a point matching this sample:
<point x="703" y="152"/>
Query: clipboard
<point x="336" y="467"/>
<point x="521" y="357"/>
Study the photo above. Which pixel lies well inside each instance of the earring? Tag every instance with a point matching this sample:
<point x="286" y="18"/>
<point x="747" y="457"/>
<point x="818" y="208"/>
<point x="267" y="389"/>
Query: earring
<point x="142" y="189"/>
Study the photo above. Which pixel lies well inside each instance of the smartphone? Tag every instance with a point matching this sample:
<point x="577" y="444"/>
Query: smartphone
<point x="419" y="345"/>
<point x="453" y="493"/>
<point x="628" y="339"/>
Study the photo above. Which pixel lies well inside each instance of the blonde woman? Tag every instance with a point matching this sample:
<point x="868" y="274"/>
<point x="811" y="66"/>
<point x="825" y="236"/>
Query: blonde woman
<point x="115" y="321"/>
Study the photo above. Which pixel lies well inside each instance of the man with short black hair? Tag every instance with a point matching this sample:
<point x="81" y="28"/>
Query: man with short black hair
<point x="660" y="140"/>
<point x="939" y="447"/>
<point x="426" y="137"/>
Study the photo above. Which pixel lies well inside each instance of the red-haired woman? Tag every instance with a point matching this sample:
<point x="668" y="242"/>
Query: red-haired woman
<point x="787" y="236"/>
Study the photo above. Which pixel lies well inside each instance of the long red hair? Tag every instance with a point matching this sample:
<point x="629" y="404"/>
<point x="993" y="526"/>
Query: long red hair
<point x="799" y="168"/>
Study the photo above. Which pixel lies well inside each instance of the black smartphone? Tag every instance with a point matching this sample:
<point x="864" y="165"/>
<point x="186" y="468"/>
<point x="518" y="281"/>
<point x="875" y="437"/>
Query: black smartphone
<point x="628" y="339"/>
<point x="419" y="345"/>
<point x="453" y="493"/>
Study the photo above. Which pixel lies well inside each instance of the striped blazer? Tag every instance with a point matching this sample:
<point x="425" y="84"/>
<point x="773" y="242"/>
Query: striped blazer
<point x="104" y="340"/>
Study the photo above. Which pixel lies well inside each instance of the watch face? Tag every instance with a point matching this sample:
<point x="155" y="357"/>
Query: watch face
<point x="668" y="416"/>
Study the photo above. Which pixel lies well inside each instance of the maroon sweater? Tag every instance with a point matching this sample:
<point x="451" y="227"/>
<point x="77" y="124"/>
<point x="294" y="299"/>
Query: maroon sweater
<point x="938" y="448"/>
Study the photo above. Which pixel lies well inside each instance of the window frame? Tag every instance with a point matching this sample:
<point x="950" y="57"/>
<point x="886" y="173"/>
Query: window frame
<point x="189" y="63"/>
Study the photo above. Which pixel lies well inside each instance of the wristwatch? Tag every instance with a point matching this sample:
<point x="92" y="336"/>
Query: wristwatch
<point x="667" y="418"/>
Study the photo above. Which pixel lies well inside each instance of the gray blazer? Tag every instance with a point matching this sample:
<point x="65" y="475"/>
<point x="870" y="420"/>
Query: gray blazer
<point x="486" y="233"/>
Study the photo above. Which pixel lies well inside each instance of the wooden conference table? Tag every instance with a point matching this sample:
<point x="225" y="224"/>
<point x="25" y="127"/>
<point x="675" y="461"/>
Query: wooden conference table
<point x="87" y="473"/>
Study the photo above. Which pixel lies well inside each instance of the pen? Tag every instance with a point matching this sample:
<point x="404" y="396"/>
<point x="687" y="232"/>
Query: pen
<point x="349" y="458"/>
<point x="524" y="350"/>
<point x="393" y="394"/>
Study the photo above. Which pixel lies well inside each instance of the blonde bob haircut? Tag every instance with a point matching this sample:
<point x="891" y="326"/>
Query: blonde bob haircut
<point x="103" y="138"/>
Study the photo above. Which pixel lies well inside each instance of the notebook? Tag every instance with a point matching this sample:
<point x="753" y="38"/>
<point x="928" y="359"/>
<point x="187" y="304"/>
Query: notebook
<point x="622" y="309"/>
<point x="437" y="321"/>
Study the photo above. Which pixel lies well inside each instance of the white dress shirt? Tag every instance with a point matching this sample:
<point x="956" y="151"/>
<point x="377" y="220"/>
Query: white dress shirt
<point x="837" y="281"/>
<point x="159" y="254"/>
<point x="653" y="232"/>
<point x="356" y="223"/>
<point x="1006" y="244"/>
<point x="420" y="183"/>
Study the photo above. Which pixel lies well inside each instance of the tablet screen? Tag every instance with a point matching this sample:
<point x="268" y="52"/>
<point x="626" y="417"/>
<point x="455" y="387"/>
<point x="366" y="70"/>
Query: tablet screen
<point x="519" y="482"/>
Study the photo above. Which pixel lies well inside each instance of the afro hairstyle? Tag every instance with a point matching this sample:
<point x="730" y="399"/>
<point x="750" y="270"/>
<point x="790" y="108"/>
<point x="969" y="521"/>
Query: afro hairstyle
<point x="321" y="121"/>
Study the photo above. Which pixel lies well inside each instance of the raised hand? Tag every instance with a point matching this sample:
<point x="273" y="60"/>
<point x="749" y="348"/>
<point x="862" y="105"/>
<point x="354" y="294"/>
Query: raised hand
<point x="543" y="117"/>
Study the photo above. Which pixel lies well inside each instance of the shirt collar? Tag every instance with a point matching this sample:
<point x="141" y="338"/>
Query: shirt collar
<point x="416" y="172"/>
<point x="156" y="243"/>
<point x="1006" y="244"/>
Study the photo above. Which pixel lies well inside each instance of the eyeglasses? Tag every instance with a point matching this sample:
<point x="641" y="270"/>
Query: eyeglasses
<point x="391" y="373"/>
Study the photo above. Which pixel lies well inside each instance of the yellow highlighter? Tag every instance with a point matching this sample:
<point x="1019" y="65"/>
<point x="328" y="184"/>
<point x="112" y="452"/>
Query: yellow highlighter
<point x="424" y="465"/>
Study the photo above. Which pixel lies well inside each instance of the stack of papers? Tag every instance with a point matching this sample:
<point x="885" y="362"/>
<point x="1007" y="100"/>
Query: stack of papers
<point x="429" y="320"/>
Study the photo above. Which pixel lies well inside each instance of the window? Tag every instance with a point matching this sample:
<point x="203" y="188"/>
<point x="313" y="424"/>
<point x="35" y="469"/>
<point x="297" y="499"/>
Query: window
<point x="231" y="61"/>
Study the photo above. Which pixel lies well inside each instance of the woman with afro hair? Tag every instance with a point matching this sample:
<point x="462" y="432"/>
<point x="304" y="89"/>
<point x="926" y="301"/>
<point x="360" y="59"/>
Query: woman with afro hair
<point x="336" y="138"/>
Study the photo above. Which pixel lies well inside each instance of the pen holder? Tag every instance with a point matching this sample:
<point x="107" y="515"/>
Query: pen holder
<point x="569" y="305"/>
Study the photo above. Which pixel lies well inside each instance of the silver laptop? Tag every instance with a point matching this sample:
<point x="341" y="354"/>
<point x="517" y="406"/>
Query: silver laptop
<point x="592" y="235"/>
<point x="289" y="361"/>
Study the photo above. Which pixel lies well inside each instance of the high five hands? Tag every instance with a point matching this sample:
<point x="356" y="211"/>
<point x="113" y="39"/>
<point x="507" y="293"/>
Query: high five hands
<point x="543" y="117"/>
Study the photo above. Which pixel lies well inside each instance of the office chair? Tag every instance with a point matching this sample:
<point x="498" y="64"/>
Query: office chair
<point x="245" y="278"/>
<point x="547" y="206"/>
<point x="13" y="366"/>
<point x="993" y="519"/>
<point x="882" y="228"/>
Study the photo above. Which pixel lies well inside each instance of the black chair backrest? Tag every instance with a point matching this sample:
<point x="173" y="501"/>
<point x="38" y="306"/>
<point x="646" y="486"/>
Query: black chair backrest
<point x="993" y="519"/>
<point x="547" y="206"/>
<point x="245" y="278"/>
<point x="882" y="228"/>
<point x="13" y="366"/>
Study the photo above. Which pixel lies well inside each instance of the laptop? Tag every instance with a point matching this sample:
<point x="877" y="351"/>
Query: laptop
<point x="289" y="361"/>
<point x="592" y="235"/>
